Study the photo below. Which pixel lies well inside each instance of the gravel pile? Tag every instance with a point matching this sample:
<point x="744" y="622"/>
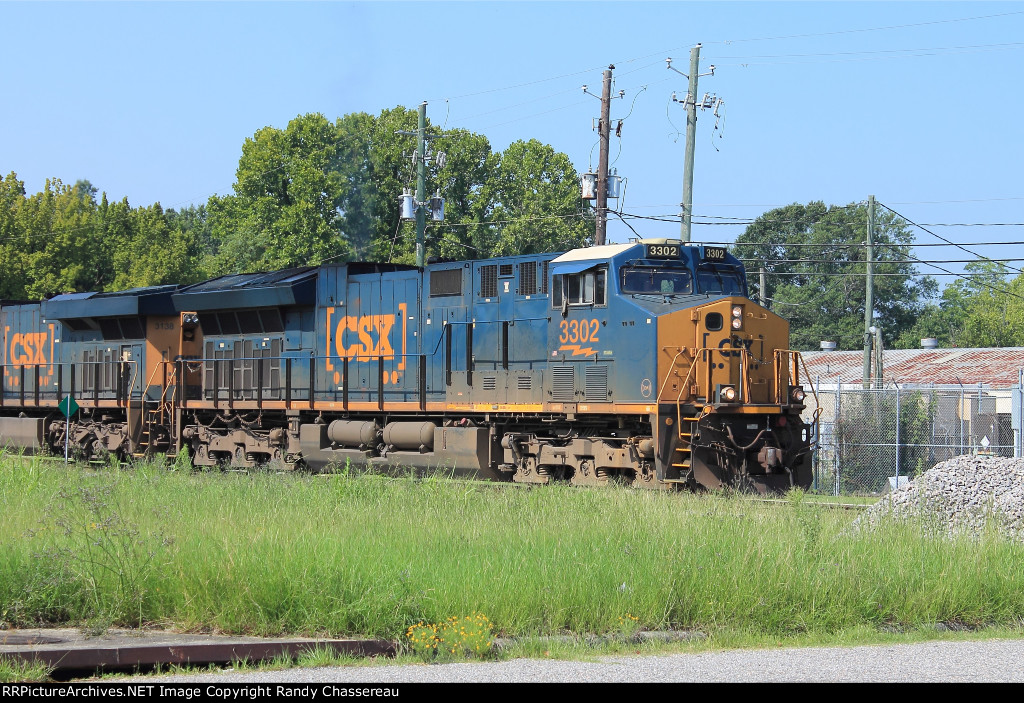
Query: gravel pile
<point x="962" y="495"/>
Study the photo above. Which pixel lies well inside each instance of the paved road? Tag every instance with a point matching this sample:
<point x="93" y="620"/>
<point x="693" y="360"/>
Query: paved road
<point x="986" y="661"/>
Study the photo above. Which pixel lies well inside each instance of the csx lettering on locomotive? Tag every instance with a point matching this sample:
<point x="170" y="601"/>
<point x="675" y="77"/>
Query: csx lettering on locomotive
<point x="362" y="337"/>
<point x="29" y="348"/>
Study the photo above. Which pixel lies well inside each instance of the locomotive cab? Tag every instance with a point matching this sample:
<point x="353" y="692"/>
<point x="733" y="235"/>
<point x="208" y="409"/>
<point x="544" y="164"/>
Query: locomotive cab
<point x="659" y="339"/>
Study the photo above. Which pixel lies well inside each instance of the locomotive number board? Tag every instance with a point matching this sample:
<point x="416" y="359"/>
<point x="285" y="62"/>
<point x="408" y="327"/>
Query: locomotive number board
<point x="714" y="253"/>
<point x="662" y="251"/>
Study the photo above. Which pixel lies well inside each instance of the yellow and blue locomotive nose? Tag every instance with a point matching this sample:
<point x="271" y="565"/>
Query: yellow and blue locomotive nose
<point x="725" y="373"/>
<point x="729" y="343"/>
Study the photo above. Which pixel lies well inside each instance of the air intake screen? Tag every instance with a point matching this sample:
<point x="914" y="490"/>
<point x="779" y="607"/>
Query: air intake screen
<point x="597" y="384"/>
<point x="563" y="383"/>
<point x="489" y="281"/>
<point x="448" y="282"/>
<point x="528" y="278"/>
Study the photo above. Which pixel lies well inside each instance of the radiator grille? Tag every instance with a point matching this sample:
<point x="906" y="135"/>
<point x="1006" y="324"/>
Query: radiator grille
<point x="489" y="281"/>
<point x="524" y="383"/>
<point x="563" y="381"/>
<point x="596" y="384"/>
<point x="241" y="368"/>
<point x="528" y="278"/>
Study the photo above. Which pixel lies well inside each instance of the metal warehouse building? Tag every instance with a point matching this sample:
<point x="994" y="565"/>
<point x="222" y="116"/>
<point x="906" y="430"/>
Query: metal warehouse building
<point x="932" y="404"/>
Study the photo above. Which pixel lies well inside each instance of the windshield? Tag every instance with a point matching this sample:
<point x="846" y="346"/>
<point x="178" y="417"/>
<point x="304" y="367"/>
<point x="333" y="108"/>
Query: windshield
<point x="649" y="279"/>
<point x="725" y="279"/>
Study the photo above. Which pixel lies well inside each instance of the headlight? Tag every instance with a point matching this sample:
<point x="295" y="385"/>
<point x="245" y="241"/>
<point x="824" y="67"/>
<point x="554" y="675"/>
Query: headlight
<point x="727" y="394"/>
<point x="796" y="394"/>
<point x="737" y="317"/>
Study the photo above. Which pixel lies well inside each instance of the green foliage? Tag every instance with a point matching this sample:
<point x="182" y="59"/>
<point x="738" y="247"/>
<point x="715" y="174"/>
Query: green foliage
<point x="531" y="197"/>
<point x="98" y="548"/>
<point x="312" y="192"/>
<point x="316" y="191"/>
<point x="983" y="310"/>
<point x="51" y="241"/>
<point x="63" y="240"/>
<point x="16" y="670"/>
<point x="269" y="554"/>
<point x="806" y="249"/>
<point x="283" y="212"/>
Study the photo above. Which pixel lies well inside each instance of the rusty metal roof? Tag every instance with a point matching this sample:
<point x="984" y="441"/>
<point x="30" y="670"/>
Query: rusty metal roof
<point x="995" y="367"/>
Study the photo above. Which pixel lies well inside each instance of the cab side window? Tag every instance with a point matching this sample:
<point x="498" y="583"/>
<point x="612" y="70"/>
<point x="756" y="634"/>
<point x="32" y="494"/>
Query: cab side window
<point x="584" y="288"/>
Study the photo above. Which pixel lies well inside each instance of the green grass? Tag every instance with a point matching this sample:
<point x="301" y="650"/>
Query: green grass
<point x="372" y="556"/>
<point x="17" y="671"/>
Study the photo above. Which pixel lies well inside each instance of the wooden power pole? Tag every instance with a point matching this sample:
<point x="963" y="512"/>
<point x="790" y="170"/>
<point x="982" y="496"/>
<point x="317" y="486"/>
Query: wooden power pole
<point x="604" y="133"/>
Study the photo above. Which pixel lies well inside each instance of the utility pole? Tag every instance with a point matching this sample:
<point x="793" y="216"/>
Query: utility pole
<point x="691" y="133"/>
<point x="869" y="296"/>
<point x="415" y="207"/>
<point x="761" y="294"/>
<point x="421" y="183"/>
<point x="604" y="133"/>
<point x="691" y="142"/>
<point x="601" y="181"/>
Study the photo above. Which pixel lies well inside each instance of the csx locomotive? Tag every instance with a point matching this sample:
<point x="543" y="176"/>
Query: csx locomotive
<point x="642" y="363"/>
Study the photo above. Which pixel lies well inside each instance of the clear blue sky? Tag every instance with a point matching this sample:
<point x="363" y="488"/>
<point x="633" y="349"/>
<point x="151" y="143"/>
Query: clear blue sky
<point x="918" y="103"/>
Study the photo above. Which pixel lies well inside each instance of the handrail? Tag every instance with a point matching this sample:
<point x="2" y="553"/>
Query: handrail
<point x="798" y="359"/>
<point x="128" y="398"/>
<point x="703" y="353"/>
<point x="682" y="350"/>
<point x="149" y="383"/>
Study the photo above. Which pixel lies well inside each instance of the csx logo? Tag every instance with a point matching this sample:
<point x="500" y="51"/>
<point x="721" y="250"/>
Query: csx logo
<point x="366" y="336"/>
<point x="28" y="348"/>
<point x="363" y="337"/>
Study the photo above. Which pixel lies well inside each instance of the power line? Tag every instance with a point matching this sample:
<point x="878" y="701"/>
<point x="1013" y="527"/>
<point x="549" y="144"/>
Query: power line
<point x="872" y="29"/>
<point x="968" y="275"/>
<point x="733" y="220"/>
<point x="826" y="274"/>
<point x="938" y="236"/>
<point x="852" y="245"/>
<point x="773" y="206"/>
<point x="877" y="261"/>
<point x="876" y="51"/>
<point x="663" y="52"/>
<point x="872" y="55"/>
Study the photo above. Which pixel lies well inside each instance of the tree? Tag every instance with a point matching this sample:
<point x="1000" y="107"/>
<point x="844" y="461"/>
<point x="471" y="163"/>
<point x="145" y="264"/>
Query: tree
<point x="12" y="266"/>
<point x="533" y="203"/>
<point x="284" y="211"/>
<point x="316" y="192"/>
<point x="60" y="242"/>
<point x="985" y="309"/>
<point x="815" y="265"/>
<point x="151" y="247"/>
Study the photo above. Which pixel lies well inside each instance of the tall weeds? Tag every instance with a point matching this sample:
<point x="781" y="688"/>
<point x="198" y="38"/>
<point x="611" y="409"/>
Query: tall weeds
<point x="370" y="555"/>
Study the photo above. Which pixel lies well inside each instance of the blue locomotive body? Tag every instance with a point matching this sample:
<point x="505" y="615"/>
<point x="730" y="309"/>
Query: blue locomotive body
<point x="641" y="362"/>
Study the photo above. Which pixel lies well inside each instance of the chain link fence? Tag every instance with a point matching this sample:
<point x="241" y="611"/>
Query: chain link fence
<point x="872" y="439"/>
